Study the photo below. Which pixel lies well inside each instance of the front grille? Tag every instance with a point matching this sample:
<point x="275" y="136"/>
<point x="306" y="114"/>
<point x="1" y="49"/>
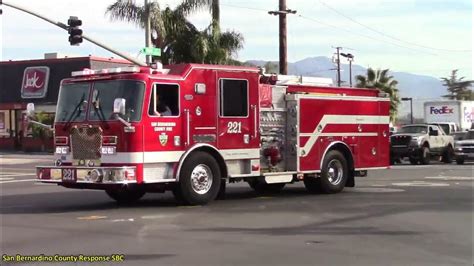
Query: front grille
<point x="86" y="143"/>
<point x="468" y="150"/>
<point x="400" y="140"/>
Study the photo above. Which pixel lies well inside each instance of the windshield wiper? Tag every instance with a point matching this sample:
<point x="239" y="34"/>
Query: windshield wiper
<point x="73" y="115"/>
<point x="98" y="110"/>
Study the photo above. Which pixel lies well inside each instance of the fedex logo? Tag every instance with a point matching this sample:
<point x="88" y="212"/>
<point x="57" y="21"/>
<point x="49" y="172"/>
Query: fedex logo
<point x="441" y="111"/>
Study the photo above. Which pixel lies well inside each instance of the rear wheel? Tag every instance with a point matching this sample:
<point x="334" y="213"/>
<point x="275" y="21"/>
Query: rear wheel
<point x="425" y="155"/>
<point x="126" y="195"/>
<point x="199" y="180"/>
<point x="448" y="155"/>
<point x="334" y="174"/>
<point x="413" y="161"/>
<point x="263" y="188"/>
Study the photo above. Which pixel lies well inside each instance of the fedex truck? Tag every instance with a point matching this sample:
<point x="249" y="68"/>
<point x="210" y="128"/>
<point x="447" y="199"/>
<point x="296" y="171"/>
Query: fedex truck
<point x="460" y="113"/>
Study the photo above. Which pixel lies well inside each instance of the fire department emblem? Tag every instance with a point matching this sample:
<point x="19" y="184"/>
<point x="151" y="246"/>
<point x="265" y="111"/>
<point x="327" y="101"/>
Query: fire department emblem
<point x="163" y="139"/>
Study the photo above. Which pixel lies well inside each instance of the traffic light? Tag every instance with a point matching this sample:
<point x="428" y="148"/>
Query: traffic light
<point x="75" y="33"/>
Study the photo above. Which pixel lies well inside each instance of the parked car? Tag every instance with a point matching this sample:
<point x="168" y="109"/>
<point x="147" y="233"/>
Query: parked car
<point x="464" y="146"/>
<point x="420" y="142"/>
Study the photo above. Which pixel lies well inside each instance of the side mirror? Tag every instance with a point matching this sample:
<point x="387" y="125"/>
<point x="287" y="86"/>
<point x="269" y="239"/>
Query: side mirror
<point x="30" y="109"/>
<point x="119" y="106"/>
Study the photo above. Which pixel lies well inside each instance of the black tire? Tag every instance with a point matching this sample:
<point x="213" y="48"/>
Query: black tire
<point x="126" y="195"/>
<point x="334" y="173"/>
<point x="263" y="188"/>
<point x="199" y="180"/>
<point x="413" y="161"/>
<point x="425" y="155"/>
<point x="448" y="154"/>
<point x="460" y="161"/>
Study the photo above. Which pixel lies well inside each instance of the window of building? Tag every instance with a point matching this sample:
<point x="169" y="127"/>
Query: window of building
<point x="164" y="100"/>
<point x="234" y="97"/>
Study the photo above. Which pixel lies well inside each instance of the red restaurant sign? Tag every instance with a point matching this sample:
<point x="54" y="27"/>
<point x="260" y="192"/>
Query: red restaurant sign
<point x="35" y="82"/>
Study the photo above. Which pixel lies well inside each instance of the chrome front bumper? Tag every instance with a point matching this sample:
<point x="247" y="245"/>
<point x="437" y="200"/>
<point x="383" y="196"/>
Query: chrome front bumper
<point x="86" y="175"/>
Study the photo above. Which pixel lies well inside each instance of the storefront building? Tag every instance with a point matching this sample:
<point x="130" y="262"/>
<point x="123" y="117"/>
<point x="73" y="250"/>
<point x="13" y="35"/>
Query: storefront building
<point x="38" y="82"/>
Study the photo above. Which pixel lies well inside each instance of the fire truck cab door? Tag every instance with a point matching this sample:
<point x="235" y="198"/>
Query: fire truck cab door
<point x="237" y="110"/>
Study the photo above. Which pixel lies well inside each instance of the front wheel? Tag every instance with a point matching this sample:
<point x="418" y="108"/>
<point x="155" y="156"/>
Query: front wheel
<point x="448" y="155"/>
<point x="460" y="161"/>
<point x="199" y="179"/>
<point x="425" y="155"/>
<point x="413" y="161"/>
<point x="334" y="173"/>
<point x="126" y="195"/>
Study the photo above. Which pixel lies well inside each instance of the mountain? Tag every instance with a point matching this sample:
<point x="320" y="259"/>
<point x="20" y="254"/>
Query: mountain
<point x="410" y="85"/>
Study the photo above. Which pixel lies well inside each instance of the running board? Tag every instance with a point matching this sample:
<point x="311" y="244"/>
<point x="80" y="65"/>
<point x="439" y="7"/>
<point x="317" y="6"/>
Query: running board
<point x="273" y="179"/>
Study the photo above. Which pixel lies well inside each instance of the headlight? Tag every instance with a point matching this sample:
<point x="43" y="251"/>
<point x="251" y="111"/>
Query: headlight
<point x="458" y="148"/>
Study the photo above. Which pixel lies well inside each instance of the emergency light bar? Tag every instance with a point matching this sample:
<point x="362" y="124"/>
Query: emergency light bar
<point x="115" y="70"/>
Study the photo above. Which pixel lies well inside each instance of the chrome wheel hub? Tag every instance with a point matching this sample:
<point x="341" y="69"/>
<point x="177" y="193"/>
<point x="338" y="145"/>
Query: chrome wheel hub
<point x="201" y="179"/>
<point x="335" y="172"/>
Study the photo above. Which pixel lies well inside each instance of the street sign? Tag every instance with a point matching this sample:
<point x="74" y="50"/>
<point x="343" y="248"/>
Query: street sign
<point x="151" y="51"/>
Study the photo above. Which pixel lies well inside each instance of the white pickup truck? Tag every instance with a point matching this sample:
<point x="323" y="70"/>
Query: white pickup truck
<point x="420" y="142"/>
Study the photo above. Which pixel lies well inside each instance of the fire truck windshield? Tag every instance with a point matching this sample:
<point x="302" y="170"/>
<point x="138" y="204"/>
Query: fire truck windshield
<point x="74" y="97"/>
<point x="72" y="102"/>
<point x="105" y="92"/>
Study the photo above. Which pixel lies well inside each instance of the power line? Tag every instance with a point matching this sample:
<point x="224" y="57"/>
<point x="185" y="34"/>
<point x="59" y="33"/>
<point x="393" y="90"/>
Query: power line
<point x="387" y="35"/>
<point x="343" y="29"/>
<point x="244" y="7"/>
<point x="365" y="36"/>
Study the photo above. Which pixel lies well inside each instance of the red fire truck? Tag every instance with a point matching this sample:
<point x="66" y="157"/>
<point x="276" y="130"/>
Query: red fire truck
<point x="194" y="128"/>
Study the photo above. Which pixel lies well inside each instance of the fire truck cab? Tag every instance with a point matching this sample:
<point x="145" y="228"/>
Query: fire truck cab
<point x="193" y="128"/>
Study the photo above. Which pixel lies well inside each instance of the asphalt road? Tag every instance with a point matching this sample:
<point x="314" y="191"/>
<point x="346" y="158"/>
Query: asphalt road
<point x="408" y="215"/>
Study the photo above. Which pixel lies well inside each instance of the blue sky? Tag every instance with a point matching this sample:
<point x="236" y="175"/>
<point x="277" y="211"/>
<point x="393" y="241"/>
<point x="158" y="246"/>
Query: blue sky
<point x="428" y="37"/>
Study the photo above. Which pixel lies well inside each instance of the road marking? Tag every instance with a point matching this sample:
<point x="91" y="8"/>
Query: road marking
<point x="17" y="181"/>
<point x="4" y="179"/>
<point x="92" y="217"/>
<point x="376" y="190"/>
<point x="420" y="184"/>
<point x="451" y="178"/>
<point x="122" y="220"/>
<point x="12" y="174"/>
<point x="431" y="166"/>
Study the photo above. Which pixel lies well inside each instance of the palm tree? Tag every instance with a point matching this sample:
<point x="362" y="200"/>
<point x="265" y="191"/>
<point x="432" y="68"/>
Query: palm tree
<point x="458" y="88"/>
<point x="214" y="9"/>
<point x="380" y="80"/>
<point x="178" y="38"/>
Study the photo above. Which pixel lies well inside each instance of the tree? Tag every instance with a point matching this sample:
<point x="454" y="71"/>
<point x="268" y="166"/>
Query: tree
<point x="458" y="88"/>
<point x="380" y="79"/>
<point x="179" y="40"/>
<point x="214" y="9"/>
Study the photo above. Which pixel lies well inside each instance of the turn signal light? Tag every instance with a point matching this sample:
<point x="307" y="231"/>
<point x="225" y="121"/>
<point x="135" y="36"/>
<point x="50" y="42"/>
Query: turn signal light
<point x="61" y="140"/>
<point x="109" y="140"/>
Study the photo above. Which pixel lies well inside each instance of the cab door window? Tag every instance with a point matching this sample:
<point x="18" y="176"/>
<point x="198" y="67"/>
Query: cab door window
<point x="164" y="100"/>
<point x="233" y="98"/>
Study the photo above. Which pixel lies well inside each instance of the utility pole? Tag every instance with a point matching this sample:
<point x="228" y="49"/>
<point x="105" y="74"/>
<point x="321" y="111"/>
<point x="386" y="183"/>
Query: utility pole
<point x="282" y="12"/>
<point x="338" y="61"/>
<point x="350" y="58"/>
<point x="148" y="32"/>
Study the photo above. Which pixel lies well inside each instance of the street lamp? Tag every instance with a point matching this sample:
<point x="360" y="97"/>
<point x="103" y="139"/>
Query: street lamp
<point x="350" y="58"/>
<point x="411" y="107"/>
